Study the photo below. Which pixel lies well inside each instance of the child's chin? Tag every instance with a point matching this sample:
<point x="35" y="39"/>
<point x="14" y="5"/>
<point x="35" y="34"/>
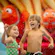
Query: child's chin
<point x="17" y="36"/>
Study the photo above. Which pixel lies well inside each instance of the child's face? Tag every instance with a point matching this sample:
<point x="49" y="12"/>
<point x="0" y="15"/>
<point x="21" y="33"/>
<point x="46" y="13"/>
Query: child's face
<point x="14" y="31"/>
<point x="33" y="22"/>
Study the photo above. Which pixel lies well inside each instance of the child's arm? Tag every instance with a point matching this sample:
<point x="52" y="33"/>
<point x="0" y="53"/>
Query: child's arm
<point x="51" y="45"/>
<point x="3" y="38"/>
<point x="4" y="41"/>
<point x="22" y="41"/>
<point x="4" y="34"/>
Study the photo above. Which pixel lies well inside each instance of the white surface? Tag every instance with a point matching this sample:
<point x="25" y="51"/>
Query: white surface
<point x="1" y="27"/>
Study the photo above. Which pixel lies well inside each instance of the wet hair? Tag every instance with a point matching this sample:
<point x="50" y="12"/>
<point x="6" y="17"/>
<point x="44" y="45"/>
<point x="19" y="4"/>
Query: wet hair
<point x="8" y="30"/>
<point x="37" y="18"/>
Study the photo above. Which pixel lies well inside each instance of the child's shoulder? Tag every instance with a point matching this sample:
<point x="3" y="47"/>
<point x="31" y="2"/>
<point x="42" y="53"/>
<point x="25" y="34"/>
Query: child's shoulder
<point x="27" y="30"/>
<point x="10" y="38"/>
<point x="42" y="28"/>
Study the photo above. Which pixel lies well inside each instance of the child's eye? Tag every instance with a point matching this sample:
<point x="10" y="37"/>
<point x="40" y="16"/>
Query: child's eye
<point x="32" y="20"/>
<point x="29" y="20"/>
<point x="14" y="29"/>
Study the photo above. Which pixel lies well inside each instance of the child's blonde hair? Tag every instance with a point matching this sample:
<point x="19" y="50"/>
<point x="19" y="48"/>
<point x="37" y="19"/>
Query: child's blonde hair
<point x="36" y="17"/>
<point x="9" y="28"/>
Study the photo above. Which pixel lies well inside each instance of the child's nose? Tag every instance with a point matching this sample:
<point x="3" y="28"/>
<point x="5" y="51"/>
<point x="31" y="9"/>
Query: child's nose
<point x="31" y="20"/>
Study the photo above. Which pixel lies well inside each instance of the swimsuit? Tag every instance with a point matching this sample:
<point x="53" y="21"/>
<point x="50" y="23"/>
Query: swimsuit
<point x="12" y="51"/>
<point x="36" y="53"/>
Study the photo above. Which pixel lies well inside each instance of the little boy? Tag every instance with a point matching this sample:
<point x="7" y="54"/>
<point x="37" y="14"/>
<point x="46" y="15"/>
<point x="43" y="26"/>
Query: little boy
<point x="34" y="37"/>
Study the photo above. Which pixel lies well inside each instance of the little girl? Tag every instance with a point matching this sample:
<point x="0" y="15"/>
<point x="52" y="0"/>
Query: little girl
<point x="10" y="42"/>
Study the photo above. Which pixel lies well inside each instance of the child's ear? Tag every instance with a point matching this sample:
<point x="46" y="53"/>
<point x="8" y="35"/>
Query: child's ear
<point x="38" y="24"/>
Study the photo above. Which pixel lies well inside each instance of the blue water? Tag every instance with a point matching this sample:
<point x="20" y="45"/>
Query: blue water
<point x="2" y="47"/>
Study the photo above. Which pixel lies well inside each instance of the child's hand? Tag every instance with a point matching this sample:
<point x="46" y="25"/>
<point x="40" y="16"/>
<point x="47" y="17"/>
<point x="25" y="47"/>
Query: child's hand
<point x="6" y="27"/>
<point x="23" y="52"/>
<point x="51" y="45"/>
